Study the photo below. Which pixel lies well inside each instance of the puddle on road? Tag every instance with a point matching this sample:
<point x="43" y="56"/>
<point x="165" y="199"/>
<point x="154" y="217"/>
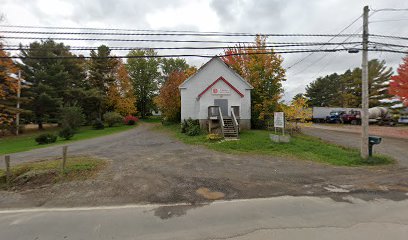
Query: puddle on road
<point x="166" y="212"/>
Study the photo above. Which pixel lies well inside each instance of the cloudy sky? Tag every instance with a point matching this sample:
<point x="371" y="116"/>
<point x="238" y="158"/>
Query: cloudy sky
<point x="252" y="16"/>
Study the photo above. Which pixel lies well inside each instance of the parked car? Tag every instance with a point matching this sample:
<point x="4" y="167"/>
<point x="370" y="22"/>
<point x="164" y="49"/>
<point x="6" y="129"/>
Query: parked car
<point x="353" y="117"/>
<point x="335" y="117"/>
<point x="403" y="120"/>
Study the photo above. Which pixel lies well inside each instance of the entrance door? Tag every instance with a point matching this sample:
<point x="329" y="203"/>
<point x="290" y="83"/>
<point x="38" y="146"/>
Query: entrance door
<point x="223" y="104"/>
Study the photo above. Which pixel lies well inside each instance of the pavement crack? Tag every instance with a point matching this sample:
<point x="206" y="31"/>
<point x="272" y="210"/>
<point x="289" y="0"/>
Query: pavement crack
<point x="299" y="228"/>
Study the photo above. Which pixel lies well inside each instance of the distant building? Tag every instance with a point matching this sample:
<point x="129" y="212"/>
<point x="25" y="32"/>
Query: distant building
<point x="156" y="113"/>
<point x="215" y="89"/>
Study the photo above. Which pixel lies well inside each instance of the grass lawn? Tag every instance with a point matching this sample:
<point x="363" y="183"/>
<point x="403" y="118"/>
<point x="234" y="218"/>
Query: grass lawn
<point x="35" y="174"/>
<point x="24" y="142"/>
<point x="301" y="147"/>
<point x="152" y="119"/>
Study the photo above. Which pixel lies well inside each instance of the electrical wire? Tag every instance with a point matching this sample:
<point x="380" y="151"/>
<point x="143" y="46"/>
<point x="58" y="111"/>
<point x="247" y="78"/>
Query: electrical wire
<point x="310" y="54"/>
<point x="178" y="55"/>
<point x="276" y="45"/>
<point x="180" y="34"/>
<point x="198" y="55"/>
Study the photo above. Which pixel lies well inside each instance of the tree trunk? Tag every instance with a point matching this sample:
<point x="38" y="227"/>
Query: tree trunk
<point x="40" y="125"/>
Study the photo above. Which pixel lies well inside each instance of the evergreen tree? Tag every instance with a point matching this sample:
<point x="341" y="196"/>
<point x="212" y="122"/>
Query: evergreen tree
<point x="102" y="69"/>
<point x="51" y="78"/>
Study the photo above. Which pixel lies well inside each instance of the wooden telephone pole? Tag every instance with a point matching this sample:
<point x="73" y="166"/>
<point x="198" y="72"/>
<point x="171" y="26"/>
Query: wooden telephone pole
<point x="364" y="88"/>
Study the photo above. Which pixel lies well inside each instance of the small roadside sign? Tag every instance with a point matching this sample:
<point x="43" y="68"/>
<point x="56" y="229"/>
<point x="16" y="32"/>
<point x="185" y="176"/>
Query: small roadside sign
<point x="279" y="119"/>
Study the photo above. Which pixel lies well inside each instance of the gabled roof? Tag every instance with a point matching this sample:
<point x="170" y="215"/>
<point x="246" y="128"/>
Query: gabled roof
<point x="222" y="62"/>
<point x="220" y="79"/>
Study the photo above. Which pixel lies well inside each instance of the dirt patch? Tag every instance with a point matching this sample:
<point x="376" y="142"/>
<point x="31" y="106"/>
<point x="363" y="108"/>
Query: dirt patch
<point x="41" y="174"/>
<point x="209" y="195"/>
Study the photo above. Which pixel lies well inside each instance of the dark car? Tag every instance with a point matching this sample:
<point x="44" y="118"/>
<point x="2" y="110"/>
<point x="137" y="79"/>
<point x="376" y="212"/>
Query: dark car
<point x="335" y="117"/>
<point x="353" y="117"/>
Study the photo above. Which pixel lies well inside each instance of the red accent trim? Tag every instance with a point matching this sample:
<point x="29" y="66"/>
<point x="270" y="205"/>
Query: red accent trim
<point x="223" y="79"/>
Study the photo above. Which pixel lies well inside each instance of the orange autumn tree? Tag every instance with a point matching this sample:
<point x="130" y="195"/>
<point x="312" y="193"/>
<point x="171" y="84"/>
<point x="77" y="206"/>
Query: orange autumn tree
<point x="121" y="96"/>
<point x="8" y="88"/>
<point x="262" y="68"/>
<point x="399" y="83"/>
<point x="168" y="100"/>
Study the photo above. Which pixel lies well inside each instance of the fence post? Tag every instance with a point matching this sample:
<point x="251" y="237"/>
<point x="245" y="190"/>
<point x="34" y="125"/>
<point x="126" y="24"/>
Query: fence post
<point x="64" y="158"/>
<point x="8" y="172"/>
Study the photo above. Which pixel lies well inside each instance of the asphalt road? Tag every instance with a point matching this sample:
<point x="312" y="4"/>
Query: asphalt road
<point x="394" y="147"/>
<point x="273" y="218"/>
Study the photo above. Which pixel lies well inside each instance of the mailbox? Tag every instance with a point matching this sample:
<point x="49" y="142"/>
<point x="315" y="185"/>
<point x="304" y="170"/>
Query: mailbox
<point x="373" y="140"/>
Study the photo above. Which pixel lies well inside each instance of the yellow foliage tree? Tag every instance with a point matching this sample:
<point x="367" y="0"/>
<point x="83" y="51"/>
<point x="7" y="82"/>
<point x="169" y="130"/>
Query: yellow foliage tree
<point x="297" y="112"/>
<point x="121" y="96"/>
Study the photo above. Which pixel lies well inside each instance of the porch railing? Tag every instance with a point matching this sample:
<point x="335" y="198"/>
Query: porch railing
<point x="221" y="120"/>
<point x="234" y="120"/>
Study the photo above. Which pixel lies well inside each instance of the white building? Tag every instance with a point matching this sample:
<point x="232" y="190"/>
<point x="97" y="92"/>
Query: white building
<point x="213" y="89"/>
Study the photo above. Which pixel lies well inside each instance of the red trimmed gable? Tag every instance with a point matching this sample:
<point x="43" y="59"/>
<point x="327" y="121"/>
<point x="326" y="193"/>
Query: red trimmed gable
<point x="223" y="79"/>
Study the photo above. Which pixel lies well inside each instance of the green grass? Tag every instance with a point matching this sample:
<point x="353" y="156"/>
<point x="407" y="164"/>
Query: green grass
<point x="25" y="142"/>
<point x="152" y="119"/>
<point x="301" y="147"/>
<point x="49" y="171"/>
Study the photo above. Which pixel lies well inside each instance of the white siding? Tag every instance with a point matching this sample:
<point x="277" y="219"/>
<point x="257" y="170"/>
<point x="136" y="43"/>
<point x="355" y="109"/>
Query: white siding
<point x="198" y="109"/>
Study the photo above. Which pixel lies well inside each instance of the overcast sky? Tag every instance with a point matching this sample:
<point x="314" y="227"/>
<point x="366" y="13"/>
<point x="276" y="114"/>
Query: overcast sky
<point x="254" y="16"/>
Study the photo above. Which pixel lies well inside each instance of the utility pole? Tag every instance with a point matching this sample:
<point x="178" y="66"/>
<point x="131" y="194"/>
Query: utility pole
<point x="18" y="102"/>
<point x="364" y="88"/>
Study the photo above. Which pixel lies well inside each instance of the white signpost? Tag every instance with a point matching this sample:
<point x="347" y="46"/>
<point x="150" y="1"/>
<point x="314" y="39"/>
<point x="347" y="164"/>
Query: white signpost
<point x="279" y="121"/>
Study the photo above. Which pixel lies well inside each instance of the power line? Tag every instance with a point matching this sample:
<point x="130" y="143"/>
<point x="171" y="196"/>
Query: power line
<point x="389" y="44"/>
<point x="179" y="55"/>
<point x="276" y="45"/>
<point x="180" y="34"/>
<point x="134" y="40"/>
<point x="388" y="36"/>
<point x="319" y="59"/>
<point x="389" y="9"/>
<point x="201" y="56"/>
<point x="344" y="29"/>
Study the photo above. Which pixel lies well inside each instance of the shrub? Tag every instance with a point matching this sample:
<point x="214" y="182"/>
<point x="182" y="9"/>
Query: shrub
<point x="191" y="127"/>
<point x="214" y="137"/>
<point x="112" y="118"/>
<point x="67" y="133"/>
<point x="71" y="117"/>
<point x="98" y="124"/>
<point x="130" y="120"/>
<point x="46" y="138"/>
<point x="165" y="121"/>
<point x="193" y="131"/>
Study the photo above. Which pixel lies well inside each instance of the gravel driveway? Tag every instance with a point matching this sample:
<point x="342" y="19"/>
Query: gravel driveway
<point x="150" y="166"/>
